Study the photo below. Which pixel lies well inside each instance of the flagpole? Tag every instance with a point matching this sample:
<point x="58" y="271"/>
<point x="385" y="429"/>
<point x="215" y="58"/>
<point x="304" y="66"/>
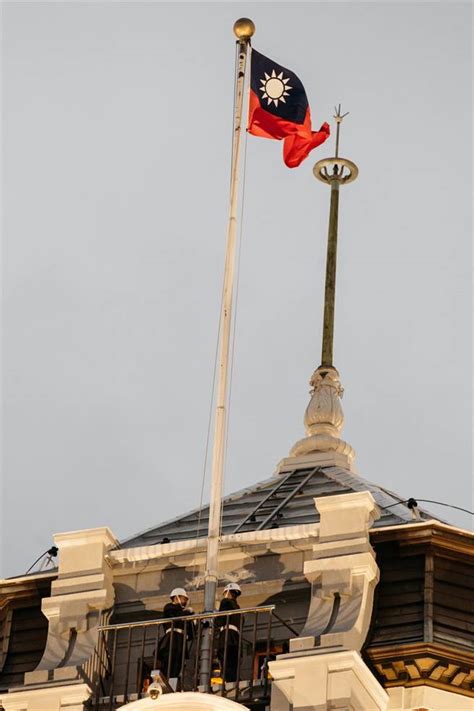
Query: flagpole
<point x="243" y="29"/>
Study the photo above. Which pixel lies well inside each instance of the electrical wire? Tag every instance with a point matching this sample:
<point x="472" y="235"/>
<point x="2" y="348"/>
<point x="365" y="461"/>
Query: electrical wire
<point x="52" y="552"/>
<point x="412" y="503"/>
<point x="36" y="561"/>
<point x="451" y="506"/>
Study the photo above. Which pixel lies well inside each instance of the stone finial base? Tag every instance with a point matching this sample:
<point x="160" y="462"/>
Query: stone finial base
<point x="316" y="459"/>
<point x="322" y="443"/>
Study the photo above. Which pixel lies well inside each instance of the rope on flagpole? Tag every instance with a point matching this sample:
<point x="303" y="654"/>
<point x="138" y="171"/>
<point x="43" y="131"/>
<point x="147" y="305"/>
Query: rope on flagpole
<point x="236" y="309"/>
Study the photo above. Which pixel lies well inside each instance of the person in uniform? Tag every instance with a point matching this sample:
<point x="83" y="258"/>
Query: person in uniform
<point x="229" y="626"/>
<point x="174" y="642"/>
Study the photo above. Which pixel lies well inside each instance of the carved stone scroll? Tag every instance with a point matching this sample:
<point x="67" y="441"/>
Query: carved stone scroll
<point x="83" y="590"/>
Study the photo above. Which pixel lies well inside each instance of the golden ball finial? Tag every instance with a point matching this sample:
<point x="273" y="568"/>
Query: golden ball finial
<point x="244" y="28"/>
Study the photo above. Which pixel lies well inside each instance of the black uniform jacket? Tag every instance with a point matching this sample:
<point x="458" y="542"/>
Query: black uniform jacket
<point x="175" y="610"/>
<point x="228" y="603"/>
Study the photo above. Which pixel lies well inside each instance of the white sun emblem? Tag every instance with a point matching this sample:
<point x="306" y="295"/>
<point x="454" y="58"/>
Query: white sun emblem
<point x="275" y="88"/>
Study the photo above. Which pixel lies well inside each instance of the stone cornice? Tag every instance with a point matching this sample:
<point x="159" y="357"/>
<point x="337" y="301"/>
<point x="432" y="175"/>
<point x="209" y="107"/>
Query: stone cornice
<point x="434" y="534"/>
<point x="86" y="536"/>
<point x="231" y="544"/>
<point x="431" y="532"/>
<point x="424" y="664"/>
<point x="22" y="590"/>
<point x="16" y="597"/>
<point x="71" y="696"/>
<point x="25" y="582"/>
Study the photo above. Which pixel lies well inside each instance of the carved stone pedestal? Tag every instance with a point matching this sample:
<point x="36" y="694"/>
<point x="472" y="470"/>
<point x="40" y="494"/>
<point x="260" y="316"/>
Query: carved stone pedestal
<point x="324" y="670"/>
<point x="323" y="680"/>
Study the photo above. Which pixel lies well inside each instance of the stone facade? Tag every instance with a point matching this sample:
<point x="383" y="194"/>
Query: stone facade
<point x="324" y="578"/>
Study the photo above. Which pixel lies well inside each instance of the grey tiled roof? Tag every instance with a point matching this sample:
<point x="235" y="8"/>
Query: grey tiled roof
<point x="327" y="481"/>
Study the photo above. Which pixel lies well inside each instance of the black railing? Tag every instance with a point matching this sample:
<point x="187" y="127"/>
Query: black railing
<point x="242" y="644"/>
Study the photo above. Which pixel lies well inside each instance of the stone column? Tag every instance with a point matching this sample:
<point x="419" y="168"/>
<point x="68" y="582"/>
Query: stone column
<point x="324" y="669"/>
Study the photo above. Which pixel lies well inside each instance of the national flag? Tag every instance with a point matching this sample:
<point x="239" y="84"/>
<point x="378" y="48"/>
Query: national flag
<point x="278" y="108"/>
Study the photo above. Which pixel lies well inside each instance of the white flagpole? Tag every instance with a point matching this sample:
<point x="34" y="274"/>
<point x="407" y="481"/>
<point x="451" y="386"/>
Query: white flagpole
<point x="243" y="29"/>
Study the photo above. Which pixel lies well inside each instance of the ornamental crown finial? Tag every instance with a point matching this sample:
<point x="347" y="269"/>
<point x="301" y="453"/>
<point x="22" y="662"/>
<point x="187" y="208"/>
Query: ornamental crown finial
<point x="324" y="417"/>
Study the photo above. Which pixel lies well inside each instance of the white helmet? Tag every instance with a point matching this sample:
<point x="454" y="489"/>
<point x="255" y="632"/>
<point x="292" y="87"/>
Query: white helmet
<point x="233" y="587"/>
<point x="179" y="591"/>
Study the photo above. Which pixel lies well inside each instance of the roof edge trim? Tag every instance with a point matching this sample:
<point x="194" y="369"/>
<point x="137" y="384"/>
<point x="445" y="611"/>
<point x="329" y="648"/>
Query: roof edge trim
<point x="269" y="535"/>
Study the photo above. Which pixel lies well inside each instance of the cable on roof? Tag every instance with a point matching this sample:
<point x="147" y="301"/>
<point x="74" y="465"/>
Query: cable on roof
<point x="412" y="503"/>
<point x="451" y="506"/>
<point x="51" y="553"/>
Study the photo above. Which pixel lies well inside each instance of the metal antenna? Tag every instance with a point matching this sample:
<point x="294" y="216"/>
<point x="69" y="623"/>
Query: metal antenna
<point x="338" y="118"/>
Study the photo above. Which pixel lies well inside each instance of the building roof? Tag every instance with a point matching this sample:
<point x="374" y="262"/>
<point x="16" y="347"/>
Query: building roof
<point x="291" y="504"/>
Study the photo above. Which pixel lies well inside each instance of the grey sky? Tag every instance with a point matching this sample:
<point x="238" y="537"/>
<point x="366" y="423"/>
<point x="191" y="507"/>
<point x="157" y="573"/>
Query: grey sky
<point x="116" y="143"/>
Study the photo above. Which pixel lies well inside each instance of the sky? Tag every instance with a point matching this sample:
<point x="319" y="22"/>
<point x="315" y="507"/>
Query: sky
<point x="116" y="129"/>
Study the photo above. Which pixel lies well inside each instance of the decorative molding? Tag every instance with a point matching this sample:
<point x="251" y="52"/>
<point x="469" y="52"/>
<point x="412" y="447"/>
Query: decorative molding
<point x="314" y="459"/>
<point x="26" y="581"/>
<point x="19" y="591"/>
<point x="426" y="698"/>
<point x="69" y="697"/>
<point x="424" y="664"/>
<point x="324" y="417"/>
<point x="448" y="540"/>
<point x="230" y="545"/>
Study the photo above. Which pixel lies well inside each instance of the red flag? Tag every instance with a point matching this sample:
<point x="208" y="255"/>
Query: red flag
<point x="278" y="108"/>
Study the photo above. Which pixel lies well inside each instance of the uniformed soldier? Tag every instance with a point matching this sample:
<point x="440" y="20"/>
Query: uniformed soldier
<point x="229" y="623"/>
<point x="177" y="634"/>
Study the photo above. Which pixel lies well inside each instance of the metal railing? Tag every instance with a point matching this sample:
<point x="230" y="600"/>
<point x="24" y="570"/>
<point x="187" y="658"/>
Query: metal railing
<point x="242" y="644"/>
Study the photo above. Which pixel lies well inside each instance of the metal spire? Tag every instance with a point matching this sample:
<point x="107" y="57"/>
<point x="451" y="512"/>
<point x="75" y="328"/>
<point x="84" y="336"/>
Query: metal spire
<point x="335" y="172"/>
<point x="338" y="117"/>
<point x="324" y="417"/>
